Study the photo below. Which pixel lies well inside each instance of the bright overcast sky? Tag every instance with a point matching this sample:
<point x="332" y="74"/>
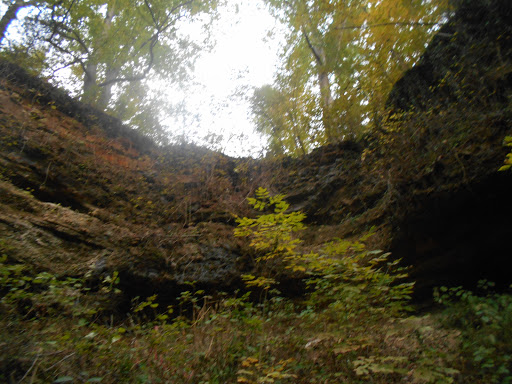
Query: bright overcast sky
<point x="244" y="57"/>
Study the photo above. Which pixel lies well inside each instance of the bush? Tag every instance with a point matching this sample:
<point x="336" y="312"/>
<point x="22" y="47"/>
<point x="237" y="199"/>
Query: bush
<point x="486" y="325"/>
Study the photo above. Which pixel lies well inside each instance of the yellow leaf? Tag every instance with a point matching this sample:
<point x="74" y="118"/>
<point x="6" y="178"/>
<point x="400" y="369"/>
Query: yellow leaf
<point x="249" y="361"/>
<point x="346" y="349"/>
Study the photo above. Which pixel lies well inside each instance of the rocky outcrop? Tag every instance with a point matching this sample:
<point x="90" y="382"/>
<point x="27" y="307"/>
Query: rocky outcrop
<point x="468" y="59"/>
<point x="80" y="193"/>
<point x="455" y="107"/>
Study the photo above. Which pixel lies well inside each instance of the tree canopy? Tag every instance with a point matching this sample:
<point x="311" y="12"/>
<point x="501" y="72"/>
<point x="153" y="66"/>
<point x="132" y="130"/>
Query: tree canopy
<point x="340" y="60"/>
<point x="113" y="49"/>
<point x="338" y="63"/>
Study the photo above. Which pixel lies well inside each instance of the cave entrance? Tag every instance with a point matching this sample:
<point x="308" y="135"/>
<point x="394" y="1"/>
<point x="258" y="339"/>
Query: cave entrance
<point x="459" y="238"/>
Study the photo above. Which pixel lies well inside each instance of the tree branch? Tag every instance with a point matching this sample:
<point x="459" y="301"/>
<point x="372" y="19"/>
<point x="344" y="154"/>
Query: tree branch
<point x="313" y="49"/>
<point x="399" y="23"/>
<point x="10" y="15"/>
<point x="75" y="59"/>
<point x="142" y="76"/>
<point x="152" y="41"/>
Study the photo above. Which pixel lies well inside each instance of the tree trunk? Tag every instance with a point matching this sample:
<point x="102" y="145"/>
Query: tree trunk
<point x="326" y="99"/>
<point x="90" y="80"/>
<point x="106" y="90"/>
<point x="9" y="16"/>
<point x="324" y="84"/>
<point x="326" y="103"/>
<point x="297" y="133"/>
<point x="112" y="71"/>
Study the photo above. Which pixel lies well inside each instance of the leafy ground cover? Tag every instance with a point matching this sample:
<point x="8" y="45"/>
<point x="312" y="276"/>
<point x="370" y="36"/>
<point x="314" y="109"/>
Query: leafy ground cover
<point x="354" y="325"/>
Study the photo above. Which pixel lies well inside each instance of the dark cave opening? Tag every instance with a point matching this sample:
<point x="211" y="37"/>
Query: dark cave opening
<point x="457" y="239"/>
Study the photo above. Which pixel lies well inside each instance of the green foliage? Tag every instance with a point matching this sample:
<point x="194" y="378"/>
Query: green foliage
<point x="350" y="327"/>
<point x="227" y="340"/>
<point x="486" y="325"/>
<point x="350" y="288"/>
<point x="288" y="117"/>
<point x="253" y="371"/>
<point x="338" y="65"/>
<point x="343" y="273"/>
<point x="508" y="159"/>
<point x="115" y="51"/>
<point x="271" y="235"/>
<point x="427" y="372"/>
<point x="354" y="281"/>
<point x="388" y="364"/>
<point x="43" y="294"/>
<point x="32" y="60"/>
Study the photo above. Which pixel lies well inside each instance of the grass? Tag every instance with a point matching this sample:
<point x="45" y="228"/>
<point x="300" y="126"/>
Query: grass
<point x="231" y="341"/>
<point x="54" y="331"/>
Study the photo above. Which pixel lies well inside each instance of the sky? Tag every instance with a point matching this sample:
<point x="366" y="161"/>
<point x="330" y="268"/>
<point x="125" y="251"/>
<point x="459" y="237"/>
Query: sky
<point x="243" y="57"/>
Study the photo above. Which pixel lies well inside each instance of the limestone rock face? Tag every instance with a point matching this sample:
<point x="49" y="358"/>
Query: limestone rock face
<point x="82" y="194"/>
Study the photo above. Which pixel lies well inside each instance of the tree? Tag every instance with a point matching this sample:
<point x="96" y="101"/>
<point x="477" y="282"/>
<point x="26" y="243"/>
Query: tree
<point x="286" y="116"/>
<point x="116" y="48"/>
<point x="119" y="42"/>
<point x="8" y="17"/>
<point x="10" y="14"/>
<point x="346" y="55"/>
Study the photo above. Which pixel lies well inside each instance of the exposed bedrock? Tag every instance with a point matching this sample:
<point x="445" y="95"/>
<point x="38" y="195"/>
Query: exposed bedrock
<point x="80" y="193"/>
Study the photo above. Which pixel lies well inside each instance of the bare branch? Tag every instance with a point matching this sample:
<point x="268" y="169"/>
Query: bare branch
<point x="155" y="21"/>
<point x="177" y="7"/>
<point x="311" y="46"/>
<point x="66" y="51"/>
<point x="76" y="61"/>
<point x="404" y="23"/>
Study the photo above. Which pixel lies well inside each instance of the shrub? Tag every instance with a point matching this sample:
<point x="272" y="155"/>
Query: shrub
<point x="486" y="325"/>
<point x="271" y="235"/>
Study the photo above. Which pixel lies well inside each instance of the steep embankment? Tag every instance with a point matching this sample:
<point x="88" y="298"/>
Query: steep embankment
<point x="79" y="192"/>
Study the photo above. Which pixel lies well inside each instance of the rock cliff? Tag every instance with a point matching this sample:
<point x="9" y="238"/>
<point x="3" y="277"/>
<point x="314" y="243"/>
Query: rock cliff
<point x="82" y="194"/>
